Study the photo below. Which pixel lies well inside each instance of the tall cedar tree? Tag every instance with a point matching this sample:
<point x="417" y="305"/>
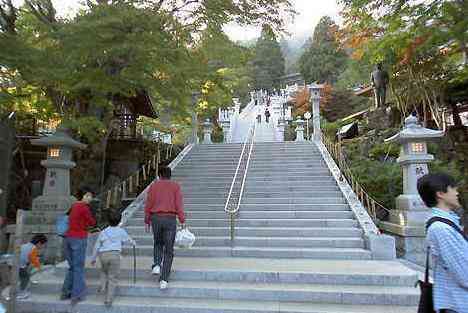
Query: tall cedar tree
<point x="323" y="59"/>
<point x="268" y="62"/>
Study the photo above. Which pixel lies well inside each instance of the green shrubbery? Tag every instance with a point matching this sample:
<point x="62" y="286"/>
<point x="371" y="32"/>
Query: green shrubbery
<point x="373" y="163"/>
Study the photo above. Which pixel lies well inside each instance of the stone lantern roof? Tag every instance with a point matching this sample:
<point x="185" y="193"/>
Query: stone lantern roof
<point x="60" y="138"/>
<point x="414" y="131"/>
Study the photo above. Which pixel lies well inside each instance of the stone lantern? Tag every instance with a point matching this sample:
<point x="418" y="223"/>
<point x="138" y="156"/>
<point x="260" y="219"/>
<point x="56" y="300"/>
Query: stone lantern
<point x="56" y="198"/>
<point x="314" y="90"/>
<point x="207" y="131"/>
<point x="299" y="129"/>
<point x="408" y="220"/>
<point x="58" y="162"/>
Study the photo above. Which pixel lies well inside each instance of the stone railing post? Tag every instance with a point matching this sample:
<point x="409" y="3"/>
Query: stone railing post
<point x="407" y="222"/>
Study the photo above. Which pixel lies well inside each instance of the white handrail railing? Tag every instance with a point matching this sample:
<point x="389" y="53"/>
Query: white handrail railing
<point x="236" y="192"/>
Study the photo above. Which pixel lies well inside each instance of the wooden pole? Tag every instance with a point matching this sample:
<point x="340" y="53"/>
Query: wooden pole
<point x="16" y="261"/>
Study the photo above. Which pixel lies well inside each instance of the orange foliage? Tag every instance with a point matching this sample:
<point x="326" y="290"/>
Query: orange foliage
<point x="409" y="51"/>
<point x="301" y="100"/>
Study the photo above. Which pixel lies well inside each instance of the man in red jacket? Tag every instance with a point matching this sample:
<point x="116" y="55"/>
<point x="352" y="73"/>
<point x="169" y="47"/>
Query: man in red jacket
<point x="79" y="220"/>
<point x="163" y="203"/>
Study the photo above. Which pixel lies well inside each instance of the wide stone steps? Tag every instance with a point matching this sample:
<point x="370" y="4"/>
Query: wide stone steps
<point x="271" y="207"/>
<point x="263" y="252"/>
<point x="302" y="271"/>
<point x="271" y="214"/>
<point x="94" y="304"/>
<point x="188" y="202"/>
<point x="267" y="231"/>
<point x="297" y="285"/>
<point x="262" y="172"/>
<point x="338" y="294"/>
<point x="303" y="242"/>
<point x="207" y="222"/>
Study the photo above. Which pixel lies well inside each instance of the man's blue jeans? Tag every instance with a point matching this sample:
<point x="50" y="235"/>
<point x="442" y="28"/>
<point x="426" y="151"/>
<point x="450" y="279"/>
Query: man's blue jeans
<point x="75" y="253"/>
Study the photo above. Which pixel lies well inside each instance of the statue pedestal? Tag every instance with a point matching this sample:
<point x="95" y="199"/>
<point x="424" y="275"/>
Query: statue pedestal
<point x="379" y="118"/>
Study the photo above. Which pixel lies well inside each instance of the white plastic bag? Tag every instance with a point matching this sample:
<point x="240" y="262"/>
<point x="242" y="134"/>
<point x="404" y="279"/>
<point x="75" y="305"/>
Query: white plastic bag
<point x="184" y="238"/>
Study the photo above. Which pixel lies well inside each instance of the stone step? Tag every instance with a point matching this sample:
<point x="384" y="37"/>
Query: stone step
<point x="303" y="242"/>
<point x="348" y="214"/>
<point x="252" y="171"/>
<point x="294" y="207"/>
<point x="304" y="271"/>
<point x="279" y="194"/>
<point x="94" y="304"/>
<point x="319" y="176"/>
<point x="292" y="201"/>
<point x="207" y="222"/>
<point x="266" y="231"/>
<point x="262" y="252"/>
<point x="327" y="192"/>
<point x="270" y="207"/>
<point x="270" y="185"/>
<point x="339" y="294"/>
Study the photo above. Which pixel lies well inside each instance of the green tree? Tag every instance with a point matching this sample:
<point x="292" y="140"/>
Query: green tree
<point x="323" y="60"/>
<point x="84" y="65"/>
<point x="268" y="64"/>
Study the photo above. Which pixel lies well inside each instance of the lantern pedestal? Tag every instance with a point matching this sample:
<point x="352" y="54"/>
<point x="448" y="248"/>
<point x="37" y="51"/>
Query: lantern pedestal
<point x="407" y="222"/>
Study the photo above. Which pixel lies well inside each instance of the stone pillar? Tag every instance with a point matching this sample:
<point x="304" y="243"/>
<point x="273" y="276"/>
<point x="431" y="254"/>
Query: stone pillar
<point x="207" y="131"/>
<point x="407" y="222"/>
<point x="56" y="198"/>
<point x="299" y="130"/>
<point x="314" y="90"/>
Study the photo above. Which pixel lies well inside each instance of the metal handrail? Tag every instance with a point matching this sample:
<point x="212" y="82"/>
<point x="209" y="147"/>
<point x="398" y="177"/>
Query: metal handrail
<point x="370" y="204"/>
<point x="234" y="197"/>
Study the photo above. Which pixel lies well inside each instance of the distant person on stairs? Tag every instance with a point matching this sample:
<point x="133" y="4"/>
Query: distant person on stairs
<point x="447" y="242"/>
<point x="163" y="204"/>
<point x="267" y="116"/>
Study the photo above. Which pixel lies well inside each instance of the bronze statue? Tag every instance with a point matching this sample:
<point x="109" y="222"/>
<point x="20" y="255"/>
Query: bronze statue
<point x="379" y="81"/>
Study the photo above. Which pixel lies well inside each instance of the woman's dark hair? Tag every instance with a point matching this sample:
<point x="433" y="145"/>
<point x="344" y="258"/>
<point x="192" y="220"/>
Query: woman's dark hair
<point x="430" y="184"/>
<point x="39" y="238"/>
<point x="82" y="191"/>
<point x="114" y="218"/>
<point x="165" y="172"/>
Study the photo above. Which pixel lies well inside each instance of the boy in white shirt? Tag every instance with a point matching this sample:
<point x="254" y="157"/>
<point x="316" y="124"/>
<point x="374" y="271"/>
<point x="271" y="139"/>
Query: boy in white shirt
<point x="109" y="247"/>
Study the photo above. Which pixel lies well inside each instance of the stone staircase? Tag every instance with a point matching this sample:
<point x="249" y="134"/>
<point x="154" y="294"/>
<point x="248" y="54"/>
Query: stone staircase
<point x="298" y="246"/>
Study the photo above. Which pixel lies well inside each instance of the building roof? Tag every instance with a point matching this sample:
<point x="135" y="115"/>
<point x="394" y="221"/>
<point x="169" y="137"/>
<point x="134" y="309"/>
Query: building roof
<point x="364" y="91"/>
<point x="141" y="104"/>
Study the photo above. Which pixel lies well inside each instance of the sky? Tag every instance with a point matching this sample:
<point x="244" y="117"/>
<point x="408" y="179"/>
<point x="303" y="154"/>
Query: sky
<point x="309" y="13"/>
